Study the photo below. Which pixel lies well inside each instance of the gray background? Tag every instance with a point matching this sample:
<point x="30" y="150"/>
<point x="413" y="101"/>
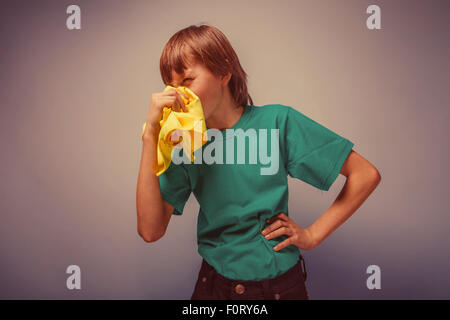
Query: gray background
<point x="73" y="104"/>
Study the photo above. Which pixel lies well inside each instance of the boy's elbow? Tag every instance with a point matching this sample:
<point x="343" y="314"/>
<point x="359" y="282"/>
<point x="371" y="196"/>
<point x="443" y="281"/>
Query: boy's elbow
<point x="376" y="176"/>
<point x="150" y="237"/>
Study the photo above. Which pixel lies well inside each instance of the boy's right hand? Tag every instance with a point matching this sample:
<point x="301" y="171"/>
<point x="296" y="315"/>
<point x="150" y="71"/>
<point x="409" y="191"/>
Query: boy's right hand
<point x="171" y="99"/>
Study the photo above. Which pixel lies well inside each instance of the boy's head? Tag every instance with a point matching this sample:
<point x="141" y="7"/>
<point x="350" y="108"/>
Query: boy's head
<point x="202" y="59"/>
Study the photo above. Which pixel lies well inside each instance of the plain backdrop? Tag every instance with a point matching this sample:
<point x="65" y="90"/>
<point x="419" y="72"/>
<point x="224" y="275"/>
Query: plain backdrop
<point x="73" y="103"/>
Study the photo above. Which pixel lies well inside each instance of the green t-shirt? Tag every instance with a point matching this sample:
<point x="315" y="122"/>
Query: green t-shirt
<point x="236" y="199"/>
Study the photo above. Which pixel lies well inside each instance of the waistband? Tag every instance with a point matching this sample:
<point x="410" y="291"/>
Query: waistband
<point x="282" y="282"/>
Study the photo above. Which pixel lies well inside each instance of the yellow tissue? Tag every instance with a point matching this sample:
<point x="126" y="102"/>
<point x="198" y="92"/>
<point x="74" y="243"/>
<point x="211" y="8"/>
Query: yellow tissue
<point x="189" y="126"/>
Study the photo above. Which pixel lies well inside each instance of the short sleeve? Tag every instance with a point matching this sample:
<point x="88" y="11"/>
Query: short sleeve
<point x="314" y="153"/>
<point x="175" y="187"/>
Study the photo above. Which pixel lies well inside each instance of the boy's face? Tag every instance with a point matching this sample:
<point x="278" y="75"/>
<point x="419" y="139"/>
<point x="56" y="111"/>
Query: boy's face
<point x="208" y="87"/>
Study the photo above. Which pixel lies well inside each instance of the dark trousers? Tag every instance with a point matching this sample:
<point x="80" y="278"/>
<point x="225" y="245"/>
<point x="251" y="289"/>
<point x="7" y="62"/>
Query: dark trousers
<point x="287" y="286"/>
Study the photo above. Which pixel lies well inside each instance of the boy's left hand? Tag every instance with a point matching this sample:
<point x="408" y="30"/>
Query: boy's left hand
<point x="284" y="225"/>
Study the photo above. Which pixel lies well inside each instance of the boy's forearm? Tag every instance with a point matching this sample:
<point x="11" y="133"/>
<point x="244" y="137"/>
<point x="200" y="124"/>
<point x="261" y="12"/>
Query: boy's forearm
<point x="150" y="211"/>
<point x="356" y="190"/>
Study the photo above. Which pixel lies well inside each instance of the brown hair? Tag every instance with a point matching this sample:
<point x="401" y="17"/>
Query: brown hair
<point x="207" y="45"/>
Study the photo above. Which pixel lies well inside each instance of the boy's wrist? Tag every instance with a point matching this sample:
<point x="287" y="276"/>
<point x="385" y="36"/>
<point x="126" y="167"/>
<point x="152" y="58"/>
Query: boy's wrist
<point x="313" y="236"/>
<point x="150" y="132"/>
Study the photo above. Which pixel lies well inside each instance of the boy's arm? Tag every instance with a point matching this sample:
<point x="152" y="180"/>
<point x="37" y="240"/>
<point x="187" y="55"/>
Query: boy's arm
<point x="362" y="179"/>
<point x="153" y="213"/>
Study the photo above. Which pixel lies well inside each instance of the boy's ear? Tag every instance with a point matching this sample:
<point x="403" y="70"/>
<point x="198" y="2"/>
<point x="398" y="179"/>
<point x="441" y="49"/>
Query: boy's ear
<point x="226" y="78"/>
